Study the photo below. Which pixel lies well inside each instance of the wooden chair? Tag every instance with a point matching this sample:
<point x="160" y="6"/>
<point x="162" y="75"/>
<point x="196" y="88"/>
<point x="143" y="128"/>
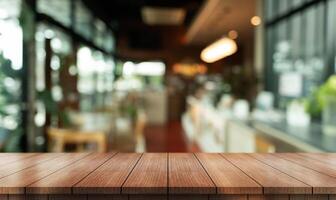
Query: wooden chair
<point x="58" y="138"/>
<point x="139" y="127"/>
<point x="264" y="146"/>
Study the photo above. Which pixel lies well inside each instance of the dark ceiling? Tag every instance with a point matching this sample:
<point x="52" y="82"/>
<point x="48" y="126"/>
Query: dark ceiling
<point x="124" y="16"/>
<point x="121" y="12"/>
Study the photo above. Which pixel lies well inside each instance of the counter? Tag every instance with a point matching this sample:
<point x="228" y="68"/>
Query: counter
<point x="310" y="139"/>
<point x="162" y="176"/>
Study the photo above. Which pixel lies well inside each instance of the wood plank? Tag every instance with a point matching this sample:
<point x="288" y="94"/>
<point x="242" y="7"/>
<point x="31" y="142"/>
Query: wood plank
<point x="268" y="197"/>
<point x="150" y="176"/>
<point x="148" y="197"/>
<point x="27" y="197"/>
<point x="187" y="176"/>
<point x="62" y="181"/>
<point x="332" y="197"/>
<point x="228" y="197"/>
<point x="329" y="158"/>
<point x="36" y="197"/>
<point x="66" y="197"/>
<point x="272" y="180"/>
<point x="308" y="162"/>
<point x="17" y="197"/>
<point x="3" y="197"/>
<point x="189" y="197"/>
<point x="108" y="178"/>
<point x="6" y="158"/>
<point x="107" y="197"/>
<point x="26" y="162"/>
<point x="228" y="178"/>
<point x="309" y="197"/>
<point x="16" y="183"/>
<point x="322" y="184"/>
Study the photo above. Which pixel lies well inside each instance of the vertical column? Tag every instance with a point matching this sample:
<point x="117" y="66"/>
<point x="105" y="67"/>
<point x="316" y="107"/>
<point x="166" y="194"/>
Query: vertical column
<point x="28" y="21"/>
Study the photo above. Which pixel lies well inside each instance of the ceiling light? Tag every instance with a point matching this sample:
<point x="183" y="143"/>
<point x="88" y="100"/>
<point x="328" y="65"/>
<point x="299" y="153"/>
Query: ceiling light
<point x="256" y="21"/>
<point x="220" y="49"/>
<point x="233" y="34"/>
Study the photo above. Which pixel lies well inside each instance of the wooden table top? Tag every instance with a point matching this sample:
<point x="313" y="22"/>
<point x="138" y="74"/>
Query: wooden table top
<point x="167" y="173"/>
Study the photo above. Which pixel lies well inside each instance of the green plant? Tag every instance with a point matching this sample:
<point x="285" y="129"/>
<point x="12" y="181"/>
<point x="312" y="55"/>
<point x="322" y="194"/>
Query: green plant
<point x="316" y="102"/>
<point x="10" y="104"/>
<point x="52" y="107"/>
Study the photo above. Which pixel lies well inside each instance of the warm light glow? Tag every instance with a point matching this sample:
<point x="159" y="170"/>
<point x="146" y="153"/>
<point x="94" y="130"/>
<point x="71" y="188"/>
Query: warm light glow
<point x="152" y="68"/>
<point x="218" y="50"/>
<point x="256" y="21"/>
<point x="189" y="70"/>
<point x="233" y="34"/>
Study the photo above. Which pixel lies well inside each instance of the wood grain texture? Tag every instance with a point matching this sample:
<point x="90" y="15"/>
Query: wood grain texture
<point x="62" y="181"/>
<point x="171" y="176"/>
<point x="189" y="197"/>
<point x="313" y="164"/>
<point x="108" y="178"/>
<point x="27" y="197"/>
<point x="148" y="197"/>
<point x="309" y="197"/>
<point x="227" y="178"/>
<point x="107" y="197"/>
<point x="228" y="197"/>
<point x="150" y="176"/>
<point x="16" y="183"/>
<point x="322" y="184"/>
<point x="26" y="162"/>
<point x="187" y="176"/>
<point x="268" y="197"/>
<point x="329" y="158"/>
<point x="272" y="180"/>
<point x="67" y="197"/>
<point x="6" y="158"/>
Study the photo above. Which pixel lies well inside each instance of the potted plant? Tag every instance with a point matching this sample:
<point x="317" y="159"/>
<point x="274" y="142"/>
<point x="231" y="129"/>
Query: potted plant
<point x="323" y="102"/>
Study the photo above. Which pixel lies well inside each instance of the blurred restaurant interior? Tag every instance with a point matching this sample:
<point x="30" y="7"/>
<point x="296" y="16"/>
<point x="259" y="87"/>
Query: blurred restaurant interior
<point x="168" y="75"/>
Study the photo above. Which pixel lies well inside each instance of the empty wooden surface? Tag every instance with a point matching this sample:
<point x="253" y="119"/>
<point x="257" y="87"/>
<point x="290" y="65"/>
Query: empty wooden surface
<point x="122" y="176"/>
<point x="273" y="181"/>
<point x="62" y="181"/>
<point x="6" y="158"/>
<point x="187" y="176"/>
<point x="150" y="176"/>
<point x="25" y="162"/>
<point x="310" y="163"/>
<point x="108" y="178"/>
<point x="17" y="182"/>
<point x="228" y="178"/>
<point x="321" y="183"/>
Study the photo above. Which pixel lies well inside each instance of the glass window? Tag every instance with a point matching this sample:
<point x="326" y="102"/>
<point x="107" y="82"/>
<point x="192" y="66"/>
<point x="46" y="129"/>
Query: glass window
<point x="295" y="34"/>
<point x="269" y="10"/>
<point x="95" y="78"/>
<point x="60" y="44"/>
<point x="109" y="44"/>
<point x="59" y="10"/>
<point x="283" y="7"/>
<point x="296" y="3"/>
<point x="83" y="19"/>
<point x="11" y="48"/>
<point x="100" y="31"/>
<point x="9" y="9"/>
<point x="296" y="49"/>
<point x="331" y="37"/>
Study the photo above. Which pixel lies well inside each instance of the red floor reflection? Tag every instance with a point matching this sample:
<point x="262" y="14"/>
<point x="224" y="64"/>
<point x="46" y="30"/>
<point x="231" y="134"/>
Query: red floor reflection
<point x="167" y="138"/>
